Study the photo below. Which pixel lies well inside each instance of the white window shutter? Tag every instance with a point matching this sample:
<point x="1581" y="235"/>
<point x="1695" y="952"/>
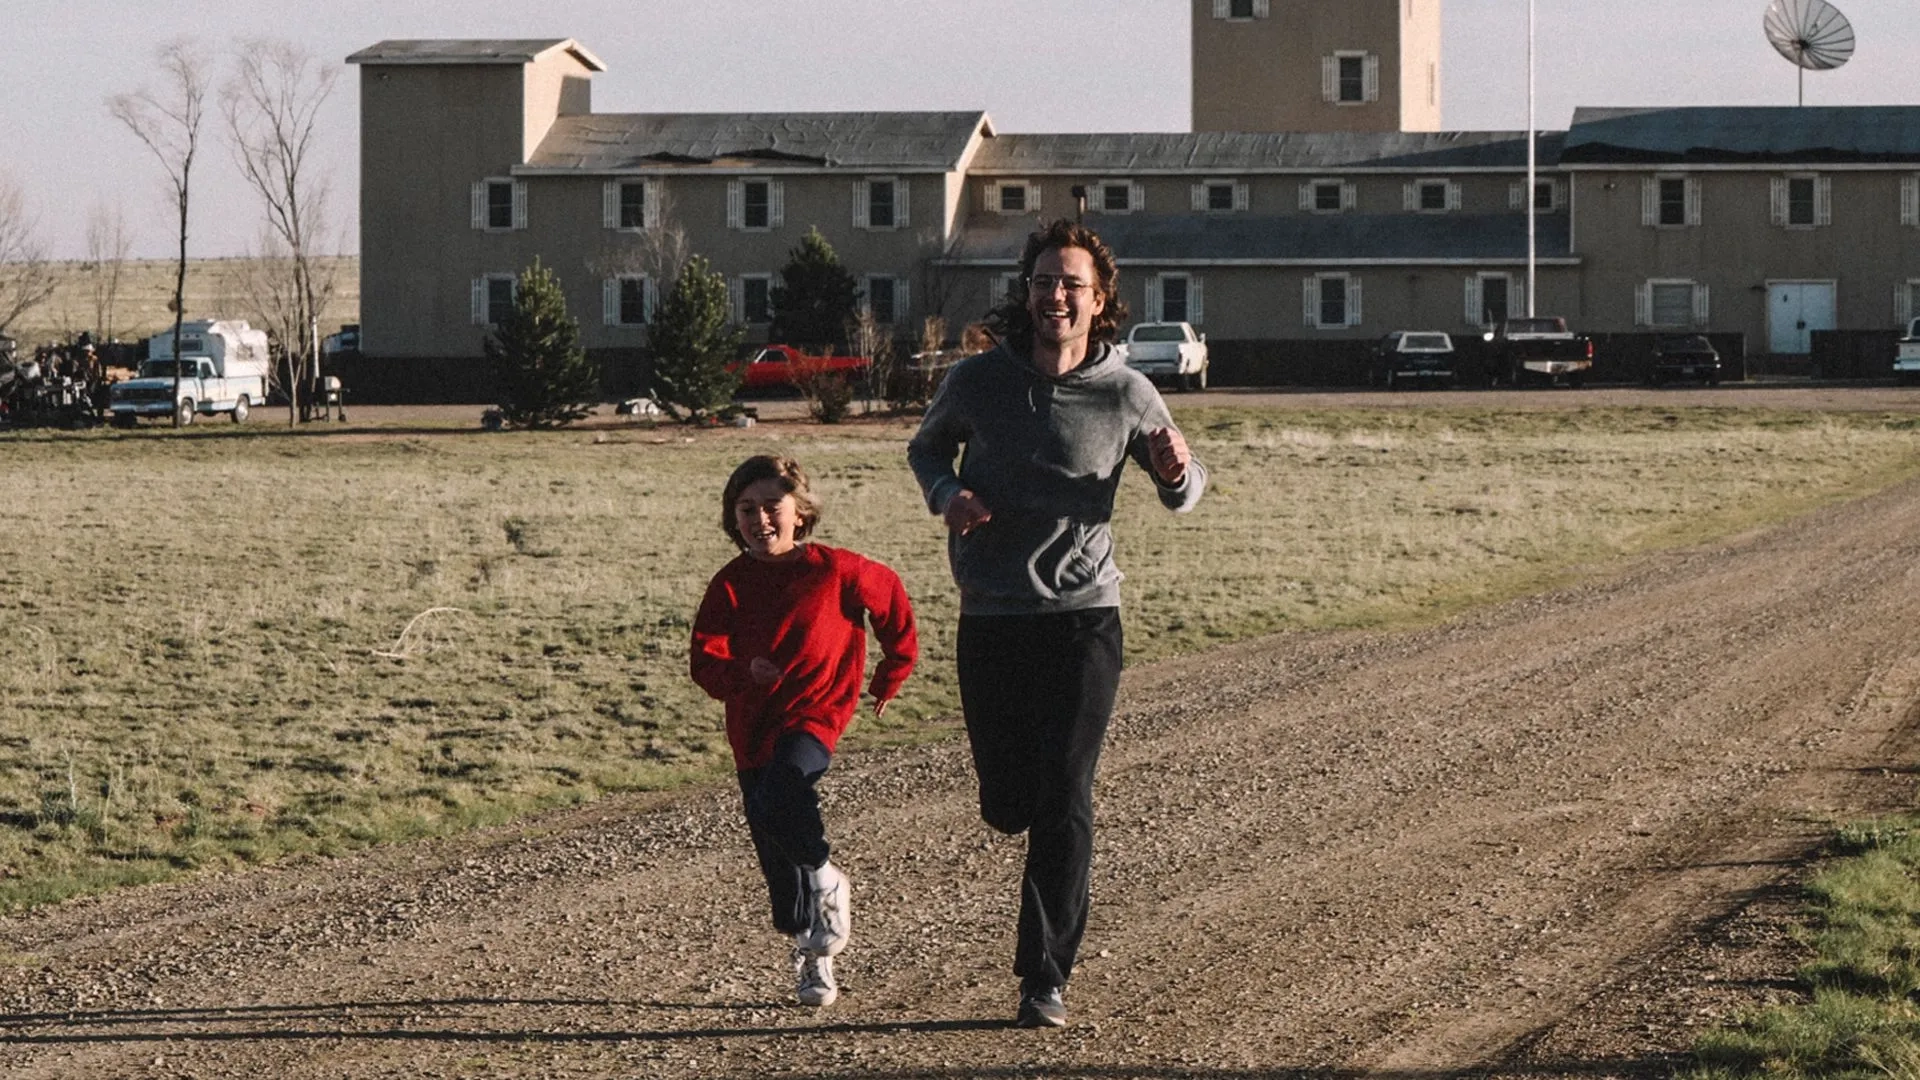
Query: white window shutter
<point x="610" y="204"/>
<point x="776" y="204"/>
<point x="1330" y="79"/>
<point x="1353" y="301"/>
<point x="1153" y="298"/>
<point x="1903" y="304"/>
<point x="1779" y="186"/>
<point x="1261" y="9"/>
<point x="1239" y="196"/>
<point x="1222" y="8"/>
<point x="861" y="206"/>
<point x="1136" y="196"/>
<point x="1196" y="314"/>
<point x="900" y="203"/>
<point x="519" y="204"/>
<point x="1453" y="195"/>
<point x="1306" y="196"/>
<point x="1517" y="195"/>
<point x="736" y="204"/>
<point x="1823" y="200"/>
<point x="1643" y="304"/>
<point x="1370" y="75"/>
<point x="1474" y="315"/>
<point x="610" y="301"/>
<point x="1516" y="295"/>
<point x="1649" y="201"/>
<point x="737" y="299"/>
<point x="1410" y="195"/>
<point x="1702" y="310"/>
<point x="1310" y="294"/>
<point x="1910" y="200"/>
<point x="1349" y="195"/>
<point x="479" y="204"/>
<point x="1033" y="198"/>
<point x="1693" y="200"/>
<point x="1199" y="196"/>
<point x="650" y="213"/>
<point x="652" y="301"/>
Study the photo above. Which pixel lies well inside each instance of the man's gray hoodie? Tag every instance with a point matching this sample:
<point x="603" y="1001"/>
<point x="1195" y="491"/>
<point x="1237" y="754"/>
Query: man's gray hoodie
<point x="1045" y="455"/>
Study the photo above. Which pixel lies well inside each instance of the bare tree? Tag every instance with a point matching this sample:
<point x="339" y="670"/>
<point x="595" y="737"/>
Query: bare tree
<point x="659" y="251"/>
<point x="108" y="243"/>
<point x="272" y="105"/>
<point x="26" y="275"/>
<point x="274" y="291"/>
<point x="168" y="122"/>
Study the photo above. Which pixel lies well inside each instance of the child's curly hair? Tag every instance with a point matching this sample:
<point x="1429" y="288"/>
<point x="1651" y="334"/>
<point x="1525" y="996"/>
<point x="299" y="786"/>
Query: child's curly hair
<point x="769" y="467"/>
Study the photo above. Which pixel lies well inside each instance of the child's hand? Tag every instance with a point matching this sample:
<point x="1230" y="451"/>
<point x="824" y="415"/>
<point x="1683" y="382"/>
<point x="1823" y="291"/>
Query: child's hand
<point x="764" y="671"/>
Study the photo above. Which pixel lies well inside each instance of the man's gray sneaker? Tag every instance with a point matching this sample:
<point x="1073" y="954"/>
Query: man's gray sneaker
<point x="1041" y="1007"/>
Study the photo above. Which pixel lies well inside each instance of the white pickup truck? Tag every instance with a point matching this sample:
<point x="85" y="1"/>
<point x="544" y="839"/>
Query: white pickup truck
<point x="1906" y="360"/>
<point x="222" y="368"/>
<point x="1168" y="351"/>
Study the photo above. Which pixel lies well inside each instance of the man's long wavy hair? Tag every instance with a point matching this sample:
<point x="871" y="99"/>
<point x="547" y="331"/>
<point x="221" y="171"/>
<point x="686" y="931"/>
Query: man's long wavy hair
<point x="1011" y="322"/>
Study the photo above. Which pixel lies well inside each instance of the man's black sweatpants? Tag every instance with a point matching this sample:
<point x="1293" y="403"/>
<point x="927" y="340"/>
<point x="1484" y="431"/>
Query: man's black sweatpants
<point x="783" y="816"/>
<point x="1038" y="692"/>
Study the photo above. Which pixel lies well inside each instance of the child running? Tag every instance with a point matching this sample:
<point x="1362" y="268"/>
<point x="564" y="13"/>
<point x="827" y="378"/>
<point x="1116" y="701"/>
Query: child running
<point x="780" y="639"/>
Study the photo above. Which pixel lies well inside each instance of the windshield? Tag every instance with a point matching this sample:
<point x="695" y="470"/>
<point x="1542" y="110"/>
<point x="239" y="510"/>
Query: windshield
<point x="1158" y="332"/>
<point x="1425" y="343"/>
<point x="1536" y="326"/>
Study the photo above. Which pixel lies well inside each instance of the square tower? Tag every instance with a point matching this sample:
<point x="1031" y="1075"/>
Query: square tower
<point x="1316" y="65"/>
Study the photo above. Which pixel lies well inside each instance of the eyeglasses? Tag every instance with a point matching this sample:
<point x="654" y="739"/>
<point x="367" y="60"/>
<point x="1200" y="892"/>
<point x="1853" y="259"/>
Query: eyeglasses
<point x="1044" y="284"/>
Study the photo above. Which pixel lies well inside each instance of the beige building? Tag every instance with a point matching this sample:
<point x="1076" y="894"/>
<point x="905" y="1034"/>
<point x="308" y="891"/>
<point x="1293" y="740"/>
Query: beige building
<point x="1293" y="66"/>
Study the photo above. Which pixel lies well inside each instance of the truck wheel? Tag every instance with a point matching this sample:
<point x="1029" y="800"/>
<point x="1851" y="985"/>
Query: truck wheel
<point x="240" y="410"/>
<point x="183" y="413"/>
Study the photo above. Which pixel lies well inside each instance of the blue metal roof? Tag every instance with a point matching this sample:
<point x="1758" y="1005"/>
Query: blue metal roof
<point x="1808" y="135"/>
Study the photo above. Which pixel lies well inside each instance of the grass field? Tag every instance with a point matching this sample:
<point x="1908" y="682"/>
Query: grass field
<point x="146" y="288"/>
<point x="230" y="644"/>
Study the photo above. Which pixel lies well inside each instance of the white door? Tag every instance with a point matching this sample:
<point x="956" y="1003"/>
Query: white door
<point x="1795" y="309"/>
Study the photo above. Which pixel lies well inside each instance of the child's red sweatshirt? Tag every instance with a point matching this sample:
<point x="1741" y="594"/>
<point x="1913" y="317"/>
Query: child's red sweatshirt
<point x="807" y="614"/>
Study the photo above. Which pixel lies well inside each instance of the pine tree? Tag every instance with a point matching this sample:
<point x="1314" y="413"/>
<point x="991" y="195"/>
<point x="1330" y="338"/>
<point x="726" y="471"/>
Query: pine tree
<point x="816" y="296"/>
<point x="692" y="340"/>
<point x="546" y="379"/>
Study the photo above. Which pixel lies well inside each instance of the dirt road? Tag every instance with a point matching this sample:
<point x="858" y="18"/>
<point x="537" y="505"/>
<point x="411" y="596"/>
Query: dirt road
<point x="1497" y="844"/>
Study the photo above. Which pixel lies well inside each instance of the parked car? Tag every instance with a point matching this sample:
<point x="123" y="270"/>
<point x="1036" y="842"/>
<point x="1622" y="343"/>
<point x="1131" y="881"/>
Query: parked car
<point x="1538" y="348"/>
<point x="1169" y="352"/>
<point x="1685" y="356"/>
<point x="1413" y="357"/>
<point x="222" y="367"/>
<point x="781" y="367"/>
<point x="1906" y="360"/>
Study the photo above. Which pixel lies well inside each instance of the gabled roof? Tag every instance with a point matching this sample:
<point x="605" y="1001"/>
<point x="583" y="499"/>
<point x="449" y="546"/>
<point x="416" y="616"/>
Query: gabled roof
<point x="1288" y="239"/>
<point x="472" y="51"/>
<point x="610" y="142"/>
<point x="1809" y="135"/>
<point x="1217" y="152"/>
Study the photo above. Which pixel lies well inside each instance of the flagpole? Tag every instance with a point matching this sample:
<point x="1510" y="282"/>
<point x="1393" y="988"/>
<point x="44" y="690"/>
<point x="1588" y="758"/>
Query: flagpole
<point x="1532" y="167"/>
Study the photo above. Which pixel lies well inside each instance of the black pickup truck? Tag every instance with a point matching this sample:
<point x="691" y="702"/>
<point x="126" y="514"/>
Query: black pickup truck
<point x="1542" y="349"/>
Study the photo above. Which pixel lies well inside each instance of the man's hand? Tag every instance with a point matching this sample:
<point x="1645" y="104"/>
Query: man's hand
<point x="965" y="512"/>
<point x="764" y="671"/>
<point x="1168" y="450"/>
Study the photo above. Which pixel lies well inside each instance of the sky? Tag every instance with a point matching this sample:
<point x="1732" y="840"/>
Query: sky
<point x="1032" y="65"/>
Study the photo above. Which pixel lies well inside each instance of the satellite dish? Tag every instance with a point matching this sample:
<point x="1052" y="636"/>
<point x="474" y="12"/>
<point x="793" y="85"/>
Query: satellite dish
<point x="1811" y="33"/>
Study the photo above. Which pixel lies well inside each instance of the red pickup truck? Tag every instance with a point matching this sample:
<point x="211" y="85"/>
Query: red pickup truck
<point x="783" y="366"/>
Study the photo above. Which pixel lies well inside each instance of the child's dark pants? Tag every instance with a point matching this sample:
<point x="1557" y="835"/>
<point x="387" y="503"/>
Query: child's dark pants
<point x="783" y="816"/>
<point x="1038" y="691"/>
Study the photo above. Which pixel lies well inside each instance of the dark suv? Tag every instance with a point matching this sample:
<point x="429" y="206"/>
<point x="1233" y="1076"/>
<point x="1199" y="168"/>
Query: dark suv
<point x="1685" y="356"/>
<point x="1413" y="357"/>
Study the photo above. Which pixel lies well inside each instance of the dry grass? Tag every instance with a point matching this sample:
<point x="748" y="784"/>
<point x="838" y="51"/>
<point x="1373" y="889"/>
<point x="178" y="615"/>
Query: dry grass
<point x="237" y="643"/>
<point x="146" y="289"/>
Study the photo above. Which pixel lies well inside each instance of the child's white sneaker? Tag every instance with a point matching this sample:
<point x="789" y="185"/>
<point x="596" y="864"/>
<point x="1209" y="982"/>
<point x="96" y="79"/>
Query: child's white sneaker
<point x="832" y="912"/>
<point x="813" y="978"/>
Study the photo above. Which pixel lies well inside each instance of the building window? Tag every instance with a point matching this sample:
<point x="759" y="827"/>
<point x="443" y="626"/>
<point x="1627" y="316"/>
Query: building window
<point x="1670" y="202"/>
<point x="1013" y="197"/>
<point x="1802" y="200"/>
<point x="1350" y="78"/>
<point x="1332" y="301"/>
<point x="1546" y="195"/>
<point x="886" y="299"/>
<point x="1119" y="196"/>
<point x="1491" y="297"/>
<point x="1327" y="196"/>
<point x="880" y="203"/>
<point x="627" y="300"/>
<point x="1174" y="298"/>
<point x="753" y="299"/>
<point x="755" y="205"/>
<point x="499" y="205"/>
<point x="1241" y="10"/>
<point x="1673" y="201"/>
<point x="1219" y="196"/>
<point x="493" y="298"/>
<point x="630" y="205"/>
<point x="1432" y="196"/>
<point x="1671" y="304"/>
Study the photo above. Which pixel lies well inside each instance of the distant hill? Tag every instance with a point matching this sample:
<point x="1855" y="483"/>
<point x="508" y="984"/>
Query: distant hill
<point x="146" y="285"/>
